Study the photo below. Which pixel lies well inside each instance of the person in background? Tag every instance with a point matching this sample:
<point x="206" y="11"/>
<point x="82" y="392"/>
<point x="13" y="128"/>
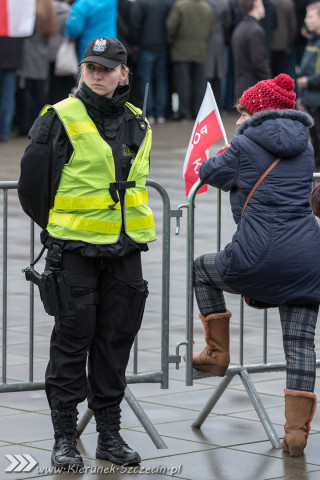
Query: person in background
<point x="149" y="38"/>
<point x="125" y="37"/>
<point x="228" y="81"/>
<point x="272" y="259"/>
<point x="249" y="49"/>
<point x="90" y="19"/>
<point x="60" y="86"/>
<point x="309" y="79"/>
<point x="123" y="24"/>
<point x="10" y="62"/>
<point x="189" y="25"/>
<point x="216" y="51"/>
<point x="34" y="73"/>
<point x="300" y="38"/>
<point x="283" y="36"/>
<point x="269" y="23"/>
<point x="82" y="180"/>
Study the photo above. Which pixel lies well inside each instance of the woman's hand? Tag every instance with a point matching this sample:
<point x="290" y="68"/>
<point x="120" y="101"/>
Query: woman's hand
<point x="299" y="105"/>
<point x="302" y="82"/>
<point x="223" y="149"/>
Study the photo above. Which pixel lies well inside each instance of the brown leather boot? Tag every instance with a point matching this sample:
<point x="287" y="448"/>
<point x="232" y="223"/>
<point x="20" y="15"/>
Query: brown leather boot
<point x="215" y="358"/>
<point x="299" y="411"/>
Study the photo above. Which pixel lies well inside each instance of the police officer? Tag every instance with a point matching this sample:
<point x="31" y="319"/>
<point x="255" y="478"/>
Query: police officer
<point x="82" y="180"/>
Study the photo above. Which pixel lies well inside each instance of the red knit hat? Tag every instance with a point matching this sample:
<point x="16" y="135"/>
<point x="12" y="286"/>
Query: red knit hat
<point x="276" y="93"/>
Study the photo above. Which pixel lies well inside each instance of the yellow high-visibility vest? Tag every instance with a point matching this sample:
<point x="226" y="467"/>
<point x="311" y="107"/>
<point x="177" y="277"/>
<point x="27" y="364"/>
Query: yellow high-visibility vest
<point x="83" y="207"/>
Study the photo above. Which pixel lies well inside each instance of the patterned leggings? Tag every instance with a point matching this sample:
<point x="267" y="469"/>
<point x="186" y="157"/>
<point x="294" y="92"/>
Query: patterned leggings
<point x="298" y="323"/>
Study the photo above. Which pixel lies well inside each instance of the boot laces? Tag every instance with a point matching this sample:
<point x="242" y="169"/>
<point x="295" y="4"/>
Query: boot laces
<point x="110" y="425"/>
<point x="65" y="424"/>
<point x="68" y="445"/>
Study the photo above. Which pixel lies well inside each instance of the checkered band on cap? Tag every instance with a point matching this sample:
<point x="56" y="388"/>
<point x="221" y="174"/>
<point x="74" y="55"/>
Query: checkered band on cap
<point x="276" y="93"/>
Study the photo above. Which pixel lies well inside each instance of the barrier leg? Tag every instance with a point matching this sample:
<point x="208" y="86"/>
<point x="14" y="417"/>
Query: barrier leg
<point x="140" y="414"/>
<point x="84" y="420"/>
<point x="258" y="405"/>
<point x="144" y="419"/>
<point x="212" y="400"/>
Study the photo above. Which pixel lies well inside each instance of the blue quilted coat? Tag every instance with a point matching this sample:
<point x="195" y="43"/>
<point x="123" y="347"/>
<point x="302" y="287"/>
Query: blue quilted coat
<point x="274" y="254"/>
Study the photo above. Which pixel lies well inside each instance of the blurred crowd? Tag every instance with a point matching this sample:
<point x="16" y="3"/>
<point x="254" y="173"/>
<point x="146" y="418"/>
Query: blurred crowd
<point x="176" y="46"/>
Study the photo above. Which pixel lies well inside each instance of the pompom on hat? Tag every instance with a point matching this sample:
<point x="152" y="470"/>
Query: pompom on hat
<point x="276" y="93"/>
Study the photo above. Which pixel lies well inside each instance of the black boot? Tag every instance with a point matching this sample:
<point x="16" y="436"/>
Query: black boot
<point x="65" y="453"/>
<point x="111" y="445"/>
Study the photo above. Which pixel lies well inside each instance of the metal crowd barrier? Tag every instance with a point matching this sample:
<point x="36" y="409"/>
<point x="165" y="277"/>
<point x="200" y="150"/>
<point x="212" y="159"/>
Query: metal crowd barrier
<point x="161" y="376"/>
<point x="242" y="370"/>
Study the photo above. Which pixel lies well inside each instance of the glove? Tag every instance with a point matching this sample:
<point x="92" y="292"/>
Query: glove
<point x="223" y="149"/>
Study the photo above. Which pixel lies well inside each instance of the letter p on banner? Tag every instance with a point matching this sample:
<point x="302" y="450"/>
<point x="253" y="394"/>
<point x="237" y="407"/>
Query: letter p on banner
<point x="207" y="130"/>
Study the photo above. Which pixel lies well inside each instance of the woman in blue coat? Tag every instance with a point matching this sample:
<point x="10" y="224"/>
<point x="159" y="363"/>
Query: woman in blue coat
<point x="273" y="257"/>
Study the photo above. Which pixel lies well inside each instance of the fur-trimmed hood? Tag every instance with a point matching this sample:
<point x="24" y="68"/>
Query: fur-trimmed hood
<point x="281" y="132"/>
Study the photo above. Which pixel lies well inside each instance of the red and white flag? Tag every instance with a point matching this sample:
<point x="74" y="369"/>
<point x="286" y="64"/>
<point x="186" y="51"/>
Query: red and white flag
<point x="207" y="130"/>
<point x="17" y="18"/>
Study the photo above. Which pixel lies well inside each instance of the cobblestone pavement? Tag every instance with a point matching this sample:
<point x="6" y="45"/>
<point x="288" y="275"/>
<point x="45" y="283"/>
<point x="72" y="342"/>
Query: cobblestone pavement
<point x="232" y="443"/>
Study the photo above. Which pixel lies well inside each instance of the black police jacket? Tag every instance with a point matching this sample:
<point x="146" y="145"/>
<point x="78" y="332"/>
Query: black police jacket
<point x="49" y="149"/>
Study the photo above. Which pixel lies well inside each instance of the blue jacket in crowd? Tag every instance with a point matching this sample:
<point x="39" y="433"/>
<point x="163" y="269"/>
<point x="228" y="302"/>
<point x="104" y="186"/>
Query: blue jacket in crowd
<point x="274" y="254"/>
<point x="91" y="19"/>
<point x="309" y="67"/>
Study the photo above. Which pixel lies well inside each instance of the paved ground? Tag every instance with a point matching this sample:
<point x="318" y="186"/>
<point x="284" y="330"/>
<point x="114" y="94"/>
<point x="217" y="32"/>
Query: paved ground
<point x="232" y="443"/>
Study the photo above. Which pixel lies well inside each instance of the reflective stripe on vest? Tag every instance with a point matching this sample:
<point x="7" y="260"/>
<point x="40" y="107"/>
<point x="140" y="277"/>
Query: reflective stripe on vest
<point x="81" y="209"/>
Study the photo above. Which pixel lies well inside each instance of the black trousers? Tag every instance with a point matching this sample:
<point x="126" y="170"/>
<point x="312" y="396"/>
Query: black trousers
<point x="102" y="331"/>
<point x="190" y="85"/>
<point x="279" y="63"/>
<point x="30" y="101"/>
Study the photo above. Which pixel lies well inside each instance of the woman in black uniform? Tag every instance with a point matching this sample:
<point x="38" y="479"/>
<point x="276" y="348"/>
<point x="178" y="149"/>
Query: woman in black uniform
<point x="82" y="180"/>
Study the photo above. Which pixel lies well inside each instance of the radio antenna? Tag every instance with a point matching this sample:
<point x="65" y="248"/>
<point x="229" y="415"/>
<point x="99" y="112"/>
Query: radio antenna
<point x="144" y="108"/>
